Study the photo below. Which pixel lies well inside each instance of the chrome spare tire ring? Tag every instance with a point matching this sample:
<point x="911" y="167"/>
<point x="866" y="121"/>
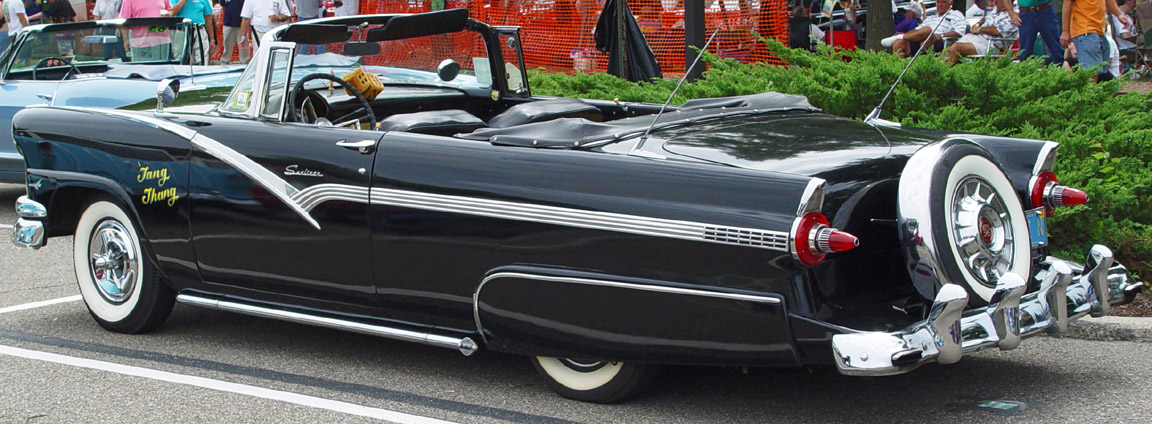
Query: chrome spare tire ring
<point x="982" y="229"/>
<point x="113" y="261"/>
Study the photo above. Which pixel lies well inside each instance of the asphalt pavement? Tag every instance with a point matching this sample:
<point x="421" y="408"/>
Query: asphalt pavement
<point x="57" y="365"/>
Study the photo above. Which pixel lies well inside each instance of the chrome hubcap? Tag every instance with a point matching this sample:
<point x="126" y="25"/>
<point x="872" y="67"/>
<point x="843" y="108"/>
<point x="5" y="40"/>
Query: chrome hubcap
<point x="982" y="230"/>
<point x="582" y="365"/>
<point x="113" y="262"/>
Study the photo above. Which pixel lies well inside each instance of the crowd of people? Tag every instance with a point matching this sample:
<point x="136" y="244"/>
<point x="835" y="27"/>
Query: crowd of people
<point x="1085" y="33"/>
<point x="241" y="20"/>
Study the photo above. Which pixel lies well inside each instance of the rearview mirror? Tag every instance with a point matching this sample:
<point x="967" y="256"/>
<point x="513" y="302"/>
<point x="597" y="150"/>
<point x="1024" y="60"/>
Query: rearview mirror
<point x="361" y="49"/>
<point x="448" y="70"/>
<point x="100" y="39"/>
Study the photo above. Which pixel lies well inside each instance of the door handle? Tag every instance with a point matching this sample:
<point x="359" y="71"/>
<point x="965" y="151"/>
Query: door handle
<point x="47" y="97"/>
<point x="364" y="146"/>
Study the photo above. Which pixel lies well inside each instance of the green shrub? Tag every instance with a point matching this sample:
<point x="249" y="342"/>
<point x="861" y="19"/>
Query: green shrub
<point x="1105" y="138"/>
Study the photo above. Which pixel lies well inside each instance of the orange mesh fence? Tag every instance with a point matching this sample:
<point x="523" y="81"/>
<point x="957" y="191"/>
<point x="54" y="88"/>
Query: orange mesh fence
<point x="558" y="33"/>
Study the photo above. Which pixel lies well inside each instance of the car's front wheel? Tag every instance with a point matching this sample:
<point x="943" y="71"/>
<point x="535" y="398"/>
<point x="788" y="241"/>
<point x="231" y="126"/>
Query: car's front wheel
<point x="594" y="381"/>
<point x="120" y="286"/>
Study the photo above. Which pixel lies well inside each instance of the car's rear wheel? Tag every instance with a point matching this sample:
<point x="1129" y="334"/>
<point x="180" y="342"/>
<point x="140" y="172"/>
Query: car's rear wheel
<point x="982" y="231"/>
<point x="120" y="286"/>
<point x="594" y="381"/>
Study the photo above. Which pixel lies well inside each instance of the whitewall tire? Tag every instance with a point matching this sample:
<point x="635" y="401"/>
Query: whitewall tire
<point x="984" y="234"/>
<point x="594" y="381"/>
<point x="119" y="284"/>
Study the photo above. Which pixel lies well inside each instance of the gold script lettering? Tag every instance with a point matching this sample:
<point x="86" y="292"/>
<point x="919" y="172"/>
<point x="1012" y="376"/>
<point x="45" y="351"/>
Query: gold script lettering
<point x="152" y="195"/>
<point x="146" y="174"/>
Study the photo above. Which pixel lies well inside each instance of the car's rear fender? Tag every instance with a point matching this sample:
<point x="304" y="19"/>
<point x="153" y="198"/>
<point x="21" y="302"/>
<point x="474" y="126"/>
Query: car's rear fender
<point x="548" y="311"/>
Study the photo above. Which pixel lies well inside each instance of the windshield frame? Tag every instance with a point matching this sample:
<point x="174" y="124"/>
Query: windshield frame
<point x="261" y="61"/>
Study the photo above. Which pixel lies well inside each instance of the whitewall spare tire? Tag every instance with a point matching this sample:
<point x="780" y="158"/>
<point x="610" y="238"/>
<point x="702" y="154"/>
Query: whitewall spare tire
<point x="963" y="221"/>
<point x="119" y="284"/>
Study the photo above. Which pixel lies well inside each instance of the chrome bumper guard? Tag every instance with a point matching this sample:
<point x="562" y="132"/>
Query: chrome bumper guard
<point x="1067" y="291"/>
<point x="29" y="228"/>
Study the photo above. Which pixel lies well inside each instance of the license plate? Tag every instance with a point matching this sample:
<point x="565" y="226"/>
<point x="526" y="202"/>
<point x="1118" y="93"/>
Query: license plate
<point x="1037" y="227"/>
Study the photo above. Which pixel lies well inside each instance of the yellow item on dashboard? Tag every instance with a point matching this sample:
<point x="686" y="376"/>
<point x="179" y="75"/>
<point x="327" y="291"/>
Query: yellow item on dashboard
<point x="368" y="83"/>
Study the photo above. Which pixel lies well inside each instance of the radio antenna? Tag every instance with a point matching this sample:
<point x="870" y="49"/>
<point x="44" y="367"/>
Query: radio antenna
<point x="636" y="150"/>
<point x="874" y="117"/>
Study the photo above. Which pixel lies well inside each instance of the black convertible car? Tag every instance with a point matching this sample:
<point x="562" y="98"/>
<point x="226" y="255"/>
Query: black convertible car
<point x="411" y="187"/>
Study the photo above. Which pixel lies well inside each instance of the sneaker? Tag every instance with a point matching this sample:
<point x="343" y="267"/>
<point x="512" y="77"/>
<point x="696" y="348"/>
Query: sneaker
<point x="888" y="41"/>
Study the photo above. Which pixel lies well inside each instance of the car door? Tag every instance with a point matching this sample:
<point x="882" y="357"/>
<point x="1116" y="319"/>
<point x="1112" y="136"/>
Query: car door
<point x="279" y="210"/>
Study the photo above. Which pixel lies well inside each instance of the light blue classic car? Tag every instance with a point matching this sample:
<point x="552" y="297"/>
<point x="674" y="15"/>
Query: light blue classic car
<point x="98" y="64"/>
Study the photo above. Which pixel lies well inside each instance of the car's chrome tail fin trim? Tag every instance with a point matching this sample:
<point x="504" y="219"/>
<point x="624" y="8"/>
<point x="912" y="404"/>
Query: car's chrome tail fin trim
<point x="465" y="345"/>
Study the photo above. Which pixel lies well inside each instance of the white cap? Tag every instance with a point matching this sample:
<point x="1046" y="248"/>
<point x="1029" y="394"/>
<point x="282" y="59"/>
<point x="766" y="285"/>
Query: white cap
<point x="916" y="9"/>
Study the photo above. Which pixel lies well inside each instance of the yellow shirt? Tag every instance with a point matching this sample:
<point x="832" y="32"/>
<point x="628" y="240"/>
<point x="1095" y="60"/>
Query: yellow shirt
<point x="1087" y="17"/>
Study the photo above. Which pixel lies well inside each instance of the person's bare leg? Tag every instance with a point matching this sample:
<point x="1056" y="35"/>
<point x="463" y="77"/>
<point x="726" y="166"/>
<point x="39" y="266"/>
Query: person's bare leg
<point x="901" y="48"/>
<point x="918" y="34"/>
<point x="960" y="50"/>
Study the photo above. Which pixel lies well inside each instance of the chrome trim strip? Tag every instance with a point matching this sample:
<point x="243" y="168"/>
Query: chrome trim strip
<point x="311" y="197"/>
<point x="813" y="198"/>
<point x="465" y="345"/>
<point x="267" y="179"/>
<point x="10" y="156"/>
<point x="605" y="283"/>
<point x="1046" y="159"/>
<point x="607" y="221"/>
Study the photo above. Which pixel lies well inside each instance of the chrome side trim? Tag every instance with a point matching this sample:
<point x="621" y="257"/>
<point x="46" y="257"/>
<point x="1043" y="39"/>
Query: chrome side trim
<point x="607" y="221"/>
<point x="813" y="198"/>
<point x="11" y="156"/>
<point x="1046" y="159"/>
<point x="632" y="286"/>
<point x="465" y="345"/>
<point x="267" y="179"/>
<point x="311" y="197"/>
<point x="606" y="283"/>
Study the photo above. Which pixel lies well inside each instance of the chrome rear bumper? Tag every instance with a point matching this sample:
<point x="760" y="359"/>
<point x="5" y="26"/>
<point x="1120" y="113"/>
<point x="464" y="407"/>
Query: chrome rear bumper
<point x="1067" y="291"/>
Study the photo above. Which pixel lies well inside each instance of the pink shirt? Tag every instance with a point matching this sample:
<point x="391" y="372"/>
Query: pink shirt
<point x="145" y="9"/>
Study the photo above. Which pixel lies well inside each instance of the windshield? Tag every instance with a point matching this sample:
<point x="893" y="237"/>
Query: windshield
<point x="99" y="44"/>
<point x="412" y="60"/>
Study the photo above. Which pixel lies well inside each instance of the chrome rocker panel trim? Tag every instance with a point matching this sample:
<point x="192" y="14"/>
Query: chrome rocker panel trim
<point x="949" y="332"/>
<point x="465" y="345"/>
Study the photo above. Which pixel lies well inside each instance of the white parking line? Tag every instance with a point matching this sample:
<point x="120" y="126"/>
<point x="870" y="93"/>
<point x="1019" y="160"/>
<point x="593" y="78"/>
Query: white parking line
<point x="5" y="227"/>
<point x="223" y="386"/>
<point x="35" y="305"/>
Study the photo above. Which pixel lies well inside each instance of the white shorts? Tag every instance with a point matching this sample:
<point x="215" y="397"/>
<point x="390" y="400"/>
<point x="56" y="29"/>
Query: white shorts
<point x="980" y="43"/>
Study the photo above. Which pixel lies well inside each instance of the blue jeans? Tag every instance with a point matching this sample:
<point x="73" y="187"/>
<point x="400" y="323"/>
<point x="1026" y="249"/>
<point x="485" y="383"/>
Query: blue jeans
<point x="1045" y="23"/>
<point x="1092" y="51"/>
<point x="3" y="41"/>
<point x="303" y="48"/>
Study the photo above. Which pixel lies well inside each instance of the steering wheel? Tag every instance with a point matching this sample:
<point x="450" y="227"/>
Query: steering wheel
<point x="297" y="116"/>
<point x="52" y="62"/>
